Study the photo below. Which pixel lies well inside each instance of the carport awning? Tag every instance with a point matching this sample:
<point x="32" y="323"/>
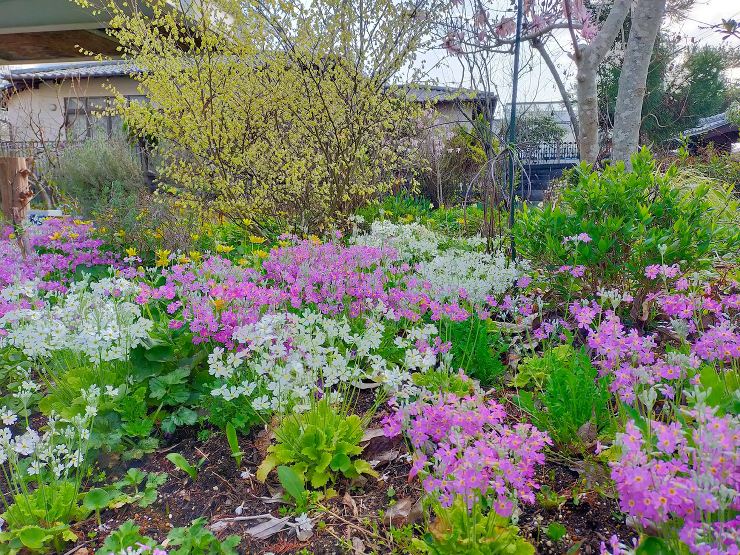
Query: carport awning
<point x="33" y="31"/>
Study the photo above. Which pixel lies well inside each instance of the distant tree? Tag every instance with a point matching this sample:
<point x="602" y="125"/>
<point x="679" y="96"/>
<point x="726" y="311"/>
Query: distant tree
<point x="537" y="126"/>
<point x="682" y="87"/>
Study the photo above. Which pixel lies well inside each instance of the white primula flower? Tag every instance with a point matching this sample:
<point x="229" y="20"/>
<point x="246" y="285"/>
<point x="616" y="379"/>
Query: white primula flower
<point x="26" y="444"/>
<point x="7" y="416"/>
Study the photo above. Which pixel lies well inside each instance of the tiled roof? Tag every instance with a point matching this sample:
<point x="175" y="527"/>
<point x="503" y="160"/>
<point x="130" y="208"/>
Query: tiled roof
<point x="76" y="70"/>
<point x="119" y="68"/>
<point x="708" y="124"/>
<point x="440" y="93"/>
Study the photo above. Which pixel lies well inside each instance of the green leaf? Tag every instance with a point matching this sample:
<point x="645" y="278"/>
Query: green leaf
<point x="181" y="462"/>
<point x="340" y="462"/>
<point x="34" y="537"/>
<point x="292" y="483"/>
<point x="96" y="499"/>
<point x="653" y="546"/>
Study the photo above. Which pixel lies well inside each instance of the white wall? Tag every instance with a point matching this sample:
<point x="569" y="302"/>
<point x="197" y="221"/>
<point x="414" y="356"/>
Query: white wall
<point x="38" y="114"/>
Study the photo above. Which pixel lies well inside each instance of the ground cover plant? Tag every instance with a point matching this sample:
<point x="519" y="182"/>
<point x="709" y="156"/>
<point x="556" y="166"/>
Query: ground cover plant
<point x="395" y="389"/>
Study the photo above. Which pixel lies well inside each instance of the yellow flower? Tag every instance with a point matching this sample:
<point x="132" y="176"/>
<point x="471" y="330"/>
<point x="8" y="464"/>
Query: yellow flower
<point x="78" y="222"/>
<point x="284" y="243"/>
<point x="130" y="251"/>
<point x="219" y="303"/>
<point x="162" y="257"/>
<point x="256" y="240"/>
<point x="182" y="259"/>
<point x="224" y="248"/>
<point x="242" y="262"/>
<point x="261" y="254"/>
<point x="194" y="236"/>
<point x="73" y="235"/>
<point x="103" y="229"/>
<point x="247" y="222"/>
<point x="120" y="233"/>
<point x="195" y="256"/>
<point x="54" y="236"/>
<point x="314" y="239"/>
<point x="11" y="236"/>
<point x="461" y="221"/>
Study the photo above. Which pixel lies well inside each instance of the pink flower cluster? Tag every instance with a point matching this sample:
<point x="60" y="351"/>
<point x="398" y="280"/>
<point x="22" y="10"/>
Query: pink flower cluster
<point x="462" y="447"/>
<point x="686" y="473"/>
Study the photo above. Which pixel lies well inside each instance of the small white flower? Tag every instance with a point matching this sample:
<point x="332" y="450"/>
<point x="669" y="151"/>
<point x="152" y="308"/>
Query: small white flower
<point x="8" y="416"/>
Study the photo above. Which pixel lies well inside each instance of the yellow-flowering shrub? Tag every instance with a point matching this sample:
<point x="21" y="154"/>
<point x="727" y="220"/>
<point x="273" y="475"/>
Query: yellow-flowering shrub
<point x="273" y="111"/>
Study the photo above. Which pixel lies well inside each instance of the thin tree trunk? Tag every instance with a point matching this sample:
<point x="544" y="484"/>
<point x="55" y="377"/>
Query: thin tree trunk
<point x="587" y="58"/>
<point x="646" y="20"/>
<point x="538" y="45"/>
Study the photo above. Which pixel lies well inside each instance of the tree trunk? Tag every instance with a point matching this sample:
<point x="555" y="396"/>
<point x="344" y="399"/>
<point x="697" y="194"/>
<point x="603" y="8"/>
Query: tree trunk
<point x="587" y="58"/>
<point x="646" y="20"/>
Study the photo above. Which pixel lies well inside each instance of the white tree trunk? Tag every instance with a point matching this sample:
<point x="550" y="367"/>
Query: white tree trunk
<point x="646" y="20"/>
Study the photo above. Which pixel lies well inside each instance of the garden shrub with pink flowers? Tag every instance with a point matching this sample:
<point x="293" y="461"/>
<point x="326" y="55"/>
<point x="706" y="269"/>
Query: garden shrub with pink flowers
<point x="397" y="390"/>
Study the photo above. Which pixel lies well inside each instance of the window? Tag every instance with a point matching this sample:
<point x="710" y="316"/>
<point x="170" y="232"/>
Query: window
<point x="86" y="118"/>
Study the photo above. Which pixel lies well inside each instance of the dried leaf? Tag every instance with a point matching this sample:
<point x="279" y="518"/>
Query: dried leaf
<point x="348" y="502"/>
<point x="269" y="528"/>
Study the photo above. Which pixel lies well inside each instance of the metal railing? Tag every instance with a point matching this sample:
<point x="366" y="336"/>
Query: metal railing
<point x="548" y="153"/>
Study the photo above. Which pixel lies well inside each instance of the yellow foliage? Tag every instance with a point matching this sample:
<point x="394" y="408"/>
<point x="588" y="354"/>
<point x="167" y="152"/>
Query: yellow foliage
<point x="273" y="111"/>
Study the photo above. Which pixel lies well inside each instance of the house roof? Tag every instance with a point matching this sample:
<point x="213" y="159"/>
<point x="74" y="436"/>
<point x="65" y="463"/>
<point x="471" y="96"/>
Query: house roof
<point x="441" y="93"/>
<point x="29" y="75"/>
<point x="75" y="70"/>
<point x="708" y="124"/>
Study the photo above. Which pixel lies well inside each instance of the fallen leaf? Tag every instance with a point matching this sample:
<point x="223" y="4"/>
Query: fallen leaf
<point x="404" y="512"/>
<point x="348" y="502"/>
<point x="358" y="546"/>
<point x="268" y="528"/>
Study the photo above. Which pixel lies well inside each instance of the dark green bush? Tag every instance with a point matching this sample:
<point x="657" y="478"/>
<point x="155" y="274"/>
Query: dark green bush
<point x="634" y="219"/>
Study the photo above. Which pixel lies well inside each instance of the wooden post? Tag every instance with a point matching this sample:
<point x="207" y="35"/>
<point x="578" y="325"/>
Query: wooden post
<point x="15" y="192"/>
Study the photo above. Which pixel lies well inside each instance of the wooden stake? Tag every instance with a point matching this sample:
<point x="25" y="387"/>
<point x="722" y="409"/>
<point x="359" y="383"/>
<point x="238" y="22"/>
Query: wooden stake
<point x="15" y="193"/>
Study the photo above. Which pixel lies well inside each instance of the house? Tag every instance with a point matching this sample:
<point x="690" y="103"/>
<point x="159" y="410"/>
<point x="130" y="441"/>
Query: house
<point x="66" y="102"/>
<point x="63" y="102"/>
<point x="716" y="130"/>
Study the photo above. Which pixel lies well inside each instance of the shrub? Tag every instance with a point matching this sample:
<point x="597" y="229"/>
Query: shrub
<point x="614" y="223"/>
<point x="88" y="174"/>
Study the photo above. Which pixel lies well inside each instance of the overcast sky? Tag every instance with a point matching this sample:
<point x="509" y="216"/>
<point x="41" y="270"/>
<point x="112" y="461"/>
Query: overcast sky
<point x="536" y="84"/>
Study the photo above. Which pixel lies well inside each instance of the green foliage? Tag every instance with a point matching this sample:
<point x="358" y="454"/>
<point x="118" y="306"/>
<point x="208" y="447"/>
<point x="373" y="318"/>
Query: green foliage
<point x="556" y="531"/>
<point x="237" y="412"/>
<point x="294" y="486"/>
<point x="197" y="539"/>
<point x="192" y="540"/>
<point x="318" y="444"/>
<point x="457" y="531"/>
<point x="475" y="349"/>
<point x="89" y="173"/>
<point x="442" y="379"/>
<point x="127" y="535"/>
<point x="634" y="219"/>
<point x="574" y="405"/>
<point x="40" y="520"/>
<point x="136" y="486"/>
<point x="182" y="463"/>
<point x="234" y="444"/>
<point x="536" y="127"/>
<point x="534" y="370"/>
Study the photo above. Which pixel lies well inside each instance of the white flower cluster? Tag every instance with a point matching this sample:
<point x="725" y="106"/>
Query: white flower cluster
<point x="412" y="241"/>
<point x="478" y="274"/>
<point x="99" y="320"/>
<point x="56" y="452"/>
<point x="287" y="358"/>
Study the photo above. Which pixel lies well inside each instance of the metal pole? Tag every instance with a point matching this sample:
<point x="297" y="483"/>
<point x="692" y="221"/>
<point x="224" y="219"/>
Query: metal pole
<point x="512" y="125"/>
